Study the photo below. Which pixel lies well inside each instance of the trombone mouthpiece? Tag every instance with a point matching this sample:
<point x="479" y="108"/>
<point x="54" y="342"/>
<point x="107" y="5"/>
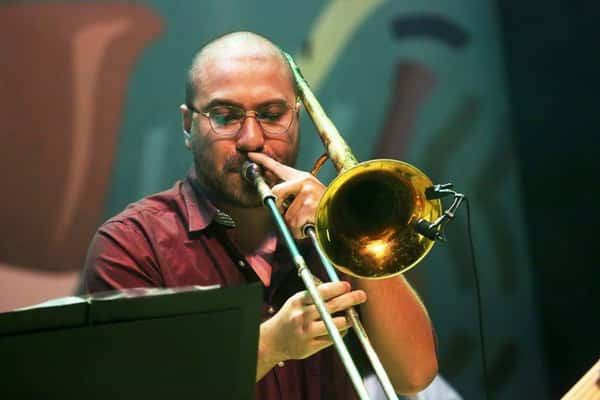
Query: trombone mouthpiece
<point x="250" y="171"/>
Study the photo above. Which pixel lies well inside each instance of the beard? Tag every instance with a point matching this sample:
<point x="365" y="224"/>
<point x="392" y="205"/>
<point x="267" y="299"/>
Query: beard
<point x="226" y="184"/>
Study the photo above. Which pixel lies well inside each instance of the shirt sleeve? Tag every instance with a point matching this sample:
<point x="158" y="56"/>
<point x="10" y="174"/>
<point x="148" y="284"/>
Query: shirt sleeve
<point x="120" y="256"/>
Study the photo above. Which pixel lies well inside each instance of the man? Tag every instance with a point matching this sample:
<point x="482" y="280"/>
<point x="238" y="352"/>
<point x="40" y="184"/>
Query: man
<point x="212" y="229"/>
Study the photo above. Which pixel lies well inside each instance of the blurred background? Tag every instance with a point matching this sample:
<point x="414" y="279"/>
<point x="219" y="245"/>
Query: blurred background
<point x="498" y="97"/>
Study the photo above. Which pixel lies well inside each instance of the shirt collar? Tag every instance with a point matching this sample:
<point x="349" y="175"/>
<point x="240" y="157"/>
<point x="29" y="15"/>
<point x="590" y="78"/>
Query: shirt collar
<point x="200" y="211"/>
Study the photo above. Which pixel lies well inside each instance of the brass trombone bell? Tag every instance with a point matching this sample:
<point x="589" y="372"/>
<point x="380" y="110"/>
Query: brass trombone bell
<point x="365" y="220"/>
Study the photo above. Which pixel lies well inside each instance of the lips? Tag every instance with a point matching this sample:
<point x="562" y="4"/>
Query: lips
<point x="234" y="164"/>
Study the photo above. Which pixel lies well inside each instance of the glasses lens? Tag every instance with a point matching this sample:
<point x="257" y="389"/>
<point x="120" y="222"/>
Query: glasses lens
<point x="226" y="120"/>
<point x="275" y="118"/>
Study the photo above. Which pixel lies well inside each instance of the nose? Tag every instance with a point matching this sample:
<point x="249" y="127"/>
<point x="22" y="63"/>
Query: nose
<point x="250" y="137"/>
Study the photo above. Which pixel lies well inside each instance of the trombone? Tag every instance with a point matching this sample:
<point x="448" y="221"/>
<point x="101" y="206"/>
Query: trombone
<point x="377" y="219"/>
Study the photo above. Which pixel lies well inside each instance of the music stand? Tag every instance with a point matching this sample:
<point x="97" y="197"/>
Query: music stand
<point x="199" y="344"/>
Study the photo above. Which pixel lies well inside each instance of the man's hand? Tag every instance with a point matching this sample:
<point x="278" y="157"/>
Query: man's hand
<point x="305" y="189"/>
<point x="297" y="331"/>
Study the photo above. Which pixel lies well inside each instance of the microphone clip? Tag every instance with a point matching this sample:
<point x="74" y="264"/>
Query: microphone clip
<point x="435" y="230"/>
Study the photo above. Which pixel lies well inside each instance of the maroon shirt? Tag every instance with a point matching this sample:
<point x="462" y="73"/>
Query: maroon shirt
<point x="171" y="239"/>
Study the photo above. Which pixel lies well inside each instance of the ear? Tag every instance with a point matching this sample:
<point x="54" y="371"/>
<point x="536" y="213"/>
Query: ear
<point x="187" y="140"/>
<point x="186" y="121"/>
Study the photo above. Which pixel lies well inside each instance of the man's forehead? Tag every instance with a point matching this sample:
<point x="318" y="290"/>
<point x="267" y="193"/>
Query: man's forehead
<point x="241" y="44"/>
<point x="222" y="70"/>
<point x="235" y="57"/>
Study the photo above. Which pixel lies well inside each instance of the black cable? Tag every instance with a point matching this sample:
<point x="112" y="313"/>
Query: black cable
<point x="479" y="306"/>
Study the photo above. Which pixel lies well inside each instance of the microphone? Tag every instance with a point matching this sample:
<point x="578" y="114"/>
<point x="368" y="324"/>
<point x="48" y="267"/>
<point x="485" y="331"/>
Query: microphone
<point x="438" y="191"/>
<point x="429" y="230"/>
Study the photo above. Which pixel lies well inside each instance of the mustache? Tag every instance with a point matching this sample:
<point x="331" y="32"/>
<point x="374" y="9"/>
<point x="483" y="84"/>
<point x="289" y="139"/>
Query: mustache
<point x="234" y="162"/>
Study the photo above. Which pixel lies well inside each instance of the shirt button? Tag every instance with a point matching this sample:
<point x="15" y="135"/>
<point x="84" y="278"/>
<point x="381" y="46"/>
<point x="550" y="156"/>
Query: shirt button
<point x="271" y="310"/>
<point x="241" y="263"/>
<point x="280" y="364"/>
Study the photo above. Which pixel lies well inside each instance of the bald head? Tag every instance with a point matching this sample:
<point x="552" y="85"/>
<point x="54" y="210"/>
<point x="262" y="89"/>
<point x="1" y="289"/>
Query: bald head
<point x="240" y="45"/>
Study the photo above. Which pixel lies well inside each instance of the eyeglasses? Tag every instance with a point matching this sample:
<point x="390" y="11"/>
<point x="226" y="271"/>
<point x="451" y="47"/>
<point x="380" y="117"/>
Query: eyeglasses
<point x="227" y="120"/>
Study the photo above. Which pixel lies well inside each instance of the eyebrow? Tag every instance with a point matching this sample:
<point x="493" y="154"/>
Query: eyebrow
<point x="221" y="102"/>
<point x="226" y="102"/>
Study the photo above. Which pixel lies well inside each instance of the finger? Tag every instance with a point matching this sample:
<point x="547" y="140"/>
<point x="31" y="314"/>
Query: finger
<point x="323" y="342"/>
<point x="318" y="328"/>
<point x="337" y="304"/>
<point x="282" y="171"/>
<point x="285" y="190"/>
<point x="327" y="291"/>
<point x="327" y="338"/>
<point x="296" y="218"/>
<point x="318" y="344"/>
<point x="300" y="213"/>
<point x="305" y="195"/>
